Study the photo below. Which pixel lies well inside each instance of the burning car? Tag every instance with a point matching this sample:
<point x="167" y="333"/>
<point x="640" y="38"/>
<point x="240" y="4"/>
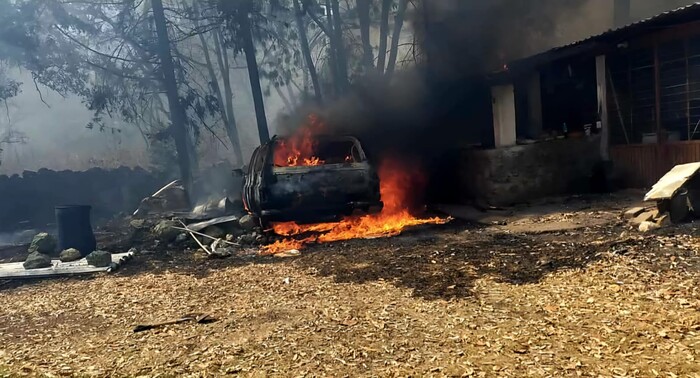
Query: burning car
<point x="310" y="178"/>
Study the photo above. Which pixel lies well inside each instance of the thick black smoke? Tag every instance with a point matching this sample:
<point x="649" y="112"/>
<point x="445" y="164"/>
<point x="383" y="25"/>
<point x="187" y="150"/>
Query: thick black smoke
<point x="466" y="36"/>
<point x="430" y="112"/>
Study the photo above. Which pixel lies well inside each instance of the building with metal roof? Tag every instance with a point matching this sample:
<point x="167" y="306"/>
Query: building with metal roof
<point x="631" y="94"/>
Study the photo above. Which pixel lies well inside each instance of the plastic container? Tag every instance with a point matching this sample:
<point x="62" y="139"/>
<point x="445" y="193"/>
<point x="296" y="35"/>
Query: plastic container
<point x="75" y="229"/>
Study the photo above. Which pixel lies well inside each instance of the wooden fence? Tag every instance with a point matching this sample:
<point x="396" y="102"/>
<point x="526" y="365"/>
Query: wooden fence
<point x="644" y="164"/>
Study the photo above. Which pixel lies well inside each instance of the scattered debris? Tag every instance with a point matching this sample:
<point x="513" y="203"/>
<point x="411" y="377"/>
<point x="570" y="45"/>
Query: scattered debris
<point x="232" y="219"/>
<point x="198" y="318"/>
<point x="99" y="259"/>
<point x="248" y="222"/>
<point x="645" y="217"/>
<point x="166" y="231"/>
<point x="290" y="253"/>
<point x="37" y="260"/>
<point x="647" y="226"/>
<point x="650" y="220"/>
<point x="170" y="198"/>
<point x="215" y="232"/>
<point x="57" y="268"/>
<point x="221" y="252"/>
<point x="217" y="208"/>
<point x="218" y="251"/>
<point x="70" y="254"/>
<point x="181" y="238"/>
<point x="247" y="239"/>
<point x="137" y="223"/>
<point x="634" y="212"/>
<point x="193" y="233"/>
<point x="43" y="243"/>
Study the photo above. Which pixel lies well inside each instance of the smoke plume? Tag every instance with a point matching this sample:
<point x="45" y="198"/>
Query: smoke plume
<point x="463" y="37"/>
<point x="442" y="104"/>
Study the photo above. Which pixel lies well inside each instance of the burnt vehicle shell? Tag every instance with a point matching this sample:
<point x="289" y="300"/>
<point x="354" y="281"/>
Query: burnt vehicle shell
<point x="310" y="193"/>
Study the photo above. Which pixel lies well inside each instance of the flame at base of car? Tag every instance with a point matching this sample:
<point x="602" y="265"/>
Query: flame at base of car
<point x="398" y="186"/>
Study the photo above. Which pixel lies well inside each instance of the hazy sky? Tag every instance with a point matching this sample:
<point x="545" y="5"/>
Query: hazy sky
<point x="58" y="138"/>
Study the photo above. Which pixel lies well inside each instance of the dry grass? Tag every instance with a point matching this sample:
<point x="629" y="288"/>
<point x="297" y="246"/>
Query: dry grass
<point x="454" y="301"/>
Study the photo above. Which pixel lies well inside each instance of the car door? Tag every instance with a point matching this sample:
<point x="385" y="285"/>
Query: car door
<point x="249" y="183"/>
<point x="257" y="185"/>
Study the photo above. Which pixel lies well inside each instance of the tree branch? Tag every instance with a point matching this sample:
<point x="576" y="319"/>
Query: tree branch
<point x="93" y="50"/>
<point x="36" y="85"/>
<point x="315" y="18"/>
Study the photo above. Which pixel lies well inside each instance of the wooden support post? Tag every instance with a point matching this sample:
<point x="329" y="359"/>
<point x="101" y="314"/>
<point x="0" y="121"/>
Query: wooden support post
<point x="534" y="103"/>
<point x="629" y="85"/>
<point x="602" y="89"/>
<point x="687" y="88"/>
<point x="504" y="119"/>
<point x="657" y="95"/>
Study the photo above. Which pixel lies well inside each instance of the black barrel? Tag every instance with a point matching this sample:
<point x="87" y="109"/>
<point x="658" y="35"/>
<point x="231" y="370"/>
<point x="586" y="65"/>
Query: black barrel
<point x="74" y="228"/>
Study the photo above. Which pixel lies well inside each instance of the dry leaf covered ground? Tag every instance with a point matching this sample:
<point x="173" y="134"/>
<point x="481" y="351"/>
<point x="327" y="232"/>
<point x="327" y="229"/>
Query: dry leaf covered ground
<point x="454" y="300"/>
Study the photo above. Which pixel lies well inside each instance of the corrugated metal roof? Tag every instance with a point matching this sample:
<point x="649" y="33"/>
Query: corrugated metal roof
<point x="650" y="21"/>
<point x="673" y="17"/>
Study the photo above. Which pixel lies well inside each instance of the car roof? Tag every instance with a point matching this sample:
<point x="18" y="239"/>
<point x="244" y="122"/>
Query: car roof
<point x="325" y="138"/>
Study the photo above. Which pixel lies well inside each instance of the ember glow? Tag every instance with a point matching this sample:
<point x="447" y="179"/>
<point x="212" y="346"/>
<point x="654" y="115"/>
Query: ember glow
<point x="397" y="184"/>
<point x="300" y="148"/>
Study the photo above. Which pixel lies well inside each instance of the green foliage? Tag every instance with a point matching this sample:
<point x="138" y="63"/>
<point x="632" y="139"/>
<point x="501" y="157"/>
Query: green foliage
<point x="8" y="88"/>
<point x="275" y="34"/>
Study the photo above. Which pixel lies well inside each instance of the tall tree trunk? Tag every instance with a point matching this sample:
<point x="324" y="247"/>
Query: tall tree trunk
<point x="341" y="58"/>
<point x="427" y="38"/>
<point x="178" y="117"/>
<point x="287" y="104"/>
<point x="253" y="72"/>
<point x="293" y="98"/>
<point x="383" y="35"/>
<point x="224" y="68"/>
<point x="226" y="116"/>
<point x="394" y="51"/>
<point x="367" y="53"/>
<point x="306" y="51"/>
<point x="332" y="51"/>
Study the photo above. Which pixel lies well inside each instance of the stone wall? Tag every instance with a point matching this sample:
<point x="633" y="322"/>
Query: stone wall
<point x="518" y="174"/>
<point x="28" y="201"/>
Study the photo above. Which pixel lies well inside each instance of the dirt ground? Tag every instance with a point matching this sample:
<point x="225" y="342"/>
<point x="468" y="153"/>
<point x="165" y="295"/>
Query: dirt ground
<point x="462" y="299"/>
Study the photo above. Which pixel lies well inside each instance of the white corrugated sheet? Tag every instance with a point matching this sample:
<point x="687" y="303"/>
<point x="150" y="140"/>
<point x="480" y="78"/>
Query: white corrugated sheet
<point x="672" y="181"/>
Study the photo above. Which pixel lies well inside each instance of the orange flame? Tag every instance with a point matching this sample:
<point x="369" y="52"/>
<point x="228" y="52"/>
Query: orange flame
<point x="397" y="185"/>
<point x="299" y="149"/>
